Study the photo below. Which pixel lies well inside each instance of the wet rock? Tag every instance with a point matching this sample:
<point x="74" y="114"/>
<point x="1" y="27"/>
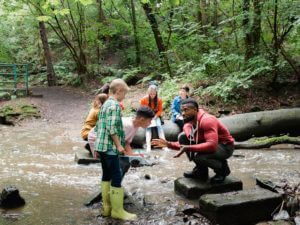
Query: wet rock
<point x="193" y="188"/>
<point x="137" y="161"/>
<point x="282" y="215"/>
<point x="266" y="184"/>
<point x="279" y="222"/>
<point x="95" y="198"/>
<point x="84" y="157"/>
<point x="147" y="177"/>
<point x="10" y="198"/>
<point x="242" y="207"/>
<point x="297" y="220"/>
<point x="4" y="96"/>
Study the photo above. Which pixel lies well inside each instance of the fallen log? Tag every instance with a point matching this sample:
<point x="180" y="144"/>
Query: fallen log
<point x="257" y="143"/>
<point x="266" y="123"/>
<point x="242" y="126"/>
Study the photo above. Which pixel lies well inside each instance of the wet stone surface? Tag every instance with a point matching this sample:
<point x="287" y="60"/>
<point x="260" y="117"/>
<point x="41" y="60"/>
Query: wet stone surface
<point x="242" y="207"/>
<point x="193" y="188"/>
<point x="10" y="198"/>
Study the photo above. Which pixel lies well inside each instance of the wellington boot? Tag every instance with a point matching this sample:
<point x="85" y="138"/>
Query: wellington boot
<point x="106" y="206"/>
<point x="117" y="199"/>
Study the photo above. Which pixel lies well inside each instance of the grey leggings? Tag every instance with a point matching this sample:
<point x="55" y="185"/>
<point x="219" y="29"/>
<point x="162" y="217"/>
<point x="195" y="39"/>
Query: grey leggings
<point x="211" y="160"/>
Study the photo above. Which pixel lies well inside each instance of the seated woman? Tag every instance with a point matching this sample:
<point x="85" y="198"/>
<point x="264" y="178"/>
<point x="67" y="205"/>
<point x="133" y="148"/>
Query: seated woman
<point x="176" y="112"/>
<point x="155" y="103"/>
<point x="92" y="118"/>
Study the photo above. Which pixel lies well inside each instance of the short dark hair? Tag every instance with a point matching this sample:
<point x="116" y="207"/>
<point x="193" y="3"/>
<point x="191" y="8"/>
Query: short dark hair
<point x="185" y="87"/>
<point x="145" y="111"/>
<point x="190" y="101"/>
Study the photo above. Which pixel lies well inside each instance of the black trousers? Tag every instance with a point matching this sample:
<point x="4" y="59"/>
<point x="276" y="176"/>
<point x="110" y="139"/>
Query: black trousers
<point x="211" y="160"/>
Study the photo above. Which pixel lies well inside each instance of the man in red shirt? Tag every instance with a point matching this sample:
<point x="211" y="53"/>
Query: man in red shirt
<point x="205" y="140"/>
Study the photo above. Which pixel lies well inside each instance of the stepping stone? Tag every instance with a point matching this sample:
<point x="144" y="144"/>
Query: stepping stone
<point x="84" y="157"/>
<point x="193" y="188"/>
<point x="138" y="161"/>
<point x="242" y="207"/>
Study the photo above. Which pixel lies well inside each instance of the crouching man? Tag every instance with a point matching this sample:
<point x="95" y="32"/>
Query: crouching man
<point x="205" y="140"/>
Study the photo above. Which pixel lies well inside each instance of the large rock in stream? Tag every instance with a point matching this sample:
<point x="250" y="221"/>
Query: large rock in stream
<point x="242" y="207"/>
<point x="10" y="198"/>
<point x="193" y="188"/>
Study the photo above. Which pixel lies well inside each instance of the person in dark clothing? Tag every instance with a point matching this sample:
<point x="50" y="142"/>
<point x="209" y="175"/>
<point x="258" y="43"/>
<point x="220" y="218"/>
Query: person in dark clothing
<point x="205" y="140"/>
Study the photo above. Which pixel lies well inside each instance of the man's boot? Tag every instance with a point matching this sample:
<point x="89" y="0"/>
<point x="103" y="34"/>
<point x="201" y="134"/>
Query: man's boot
<point x="221" y="173"/>
<point x="199" y="172"/>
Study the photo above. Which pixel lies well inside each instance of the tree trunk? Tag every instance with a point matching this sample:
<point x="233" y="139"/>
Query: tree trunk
<point x="215" y="10"/>
<point x="136" y="40"/>
<point x="247" y="39"/>
<point x="81" y="63"/>
<point x="256" y="26"/>
<point x="276" y="44"/>
<point x="244" y="126"/>
<point x="51" y="74"/>
<point x="265" y="123"/>
<point x="157" y="35"/>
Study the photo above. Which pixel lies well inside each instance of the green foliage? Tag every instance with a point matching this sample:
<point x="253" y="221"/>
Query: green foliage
<point x="205" y="45"/>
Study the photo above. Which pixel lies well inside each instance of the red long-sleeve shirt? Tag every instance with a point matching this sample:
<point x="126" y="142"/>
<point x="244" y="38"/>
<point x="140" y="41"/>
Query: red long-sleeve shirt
<point x="210" y="133"/>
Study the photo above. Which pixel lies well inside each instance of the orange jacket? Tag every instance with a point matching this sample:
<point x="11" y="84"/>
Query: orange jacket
<point x="145" y="102"/>
<point x="89" y="122"/>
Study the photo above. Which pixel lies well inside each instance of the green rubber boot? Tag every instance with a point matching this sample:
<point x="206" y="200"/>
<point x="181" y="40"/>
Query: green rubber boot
<point x="117" y="199"/>
<point x="106" y="206"/>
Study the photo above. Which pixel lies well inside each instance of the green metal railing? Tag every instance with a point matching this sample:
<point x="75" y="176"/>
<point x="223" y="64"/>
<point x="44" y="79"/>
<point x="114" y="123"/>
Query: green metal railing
<point x="14" y="77"/>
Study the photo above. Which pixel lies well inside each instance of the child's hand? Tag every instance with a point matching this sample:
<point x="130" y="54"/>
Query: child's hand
<point x="121" y="149"/>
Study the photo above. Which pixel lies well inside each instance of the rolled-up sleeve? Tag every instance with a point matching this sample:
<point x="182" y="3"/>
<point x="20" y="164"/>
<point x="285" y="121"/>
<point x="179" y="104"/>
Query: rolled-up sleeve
<point x="112" y="114"/>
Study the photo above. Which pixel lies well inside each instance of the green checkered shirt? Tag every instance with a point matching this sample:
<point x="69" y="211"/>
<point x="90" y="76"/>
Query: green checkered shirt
<point x="109" y="123"/>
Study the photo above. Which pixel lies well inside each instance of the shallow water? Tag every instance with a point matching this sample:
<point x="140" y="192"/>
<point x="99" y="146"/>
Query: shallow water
<point x="39" y="159"/>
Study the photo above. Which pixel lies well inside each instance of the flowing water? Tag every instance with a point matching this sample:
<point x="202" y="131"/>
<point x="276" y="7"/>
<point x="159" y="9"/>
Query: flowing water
<point x="38" y="158"/>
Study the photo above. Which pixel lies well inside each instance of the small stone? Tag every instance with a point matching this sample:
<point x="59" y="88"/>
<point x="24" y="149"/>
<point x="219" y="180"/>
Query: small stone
<point x="147" y="177"/>
<point x="282" y="215"/>
<point x="10" y="198"/>
<point x="297" y="220"/>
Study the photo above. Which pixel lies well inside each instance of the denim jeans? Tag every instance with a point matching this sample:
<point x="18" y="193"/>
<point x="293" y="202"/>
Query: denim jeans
<point x="111" y="169"/>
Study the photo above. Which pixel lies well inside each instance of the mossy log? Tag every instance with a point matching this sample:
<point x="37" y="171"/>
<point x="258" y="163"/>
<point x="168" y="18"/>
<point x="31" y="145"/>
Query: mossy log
<point x="265" y="142"/>
<point x="243" y="126"/>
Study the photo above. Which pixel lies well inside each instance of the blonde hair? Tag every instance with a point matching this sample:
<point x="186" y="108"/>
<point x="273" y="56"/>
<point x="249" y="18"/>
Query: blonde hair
<point x="116" y="85"/>
<point x="99" y="100"/>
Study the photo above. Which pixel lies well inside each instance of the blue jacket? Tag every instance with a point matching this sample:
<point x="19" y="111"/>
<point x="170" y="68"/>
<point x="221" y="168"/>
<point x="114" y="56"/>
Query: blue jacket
<point x="176" y="107"/>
